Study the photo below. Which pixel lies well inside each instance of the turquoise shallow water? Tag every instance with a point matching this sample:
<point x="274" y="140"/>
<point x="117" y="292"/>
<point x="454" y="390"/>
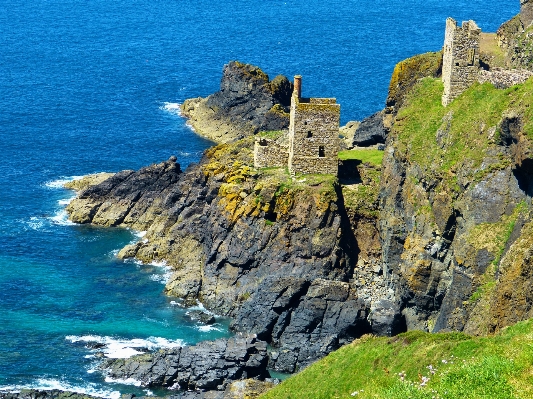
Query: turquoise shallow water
<point x="93" y="86"/>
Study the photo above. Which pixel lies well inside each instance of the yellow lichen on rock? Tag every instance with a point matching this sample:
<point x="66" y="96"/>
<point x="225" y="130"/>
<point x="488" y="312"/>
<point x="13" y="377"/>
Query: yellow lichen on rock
<point x="87" y="181"/>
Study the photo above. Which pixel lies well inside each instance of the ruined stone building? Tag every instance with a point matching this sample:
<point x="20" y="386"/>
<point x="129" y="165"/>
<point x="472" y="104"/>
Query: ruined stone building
<point x="460" y="64"/>
<point x="312" y="143"/>
<point x="526" y="12"/>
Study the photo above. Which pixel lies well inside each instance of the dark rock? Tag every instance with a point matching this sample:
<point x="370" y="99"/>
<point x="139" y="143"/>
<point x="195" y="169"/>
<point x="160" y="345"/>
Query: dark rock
<point x="203" y="317"/>
<point x="247" y="102"/>
<point x="371" y="131"/>
<point x="209" y="365"/>
<point x="48" y="394"/>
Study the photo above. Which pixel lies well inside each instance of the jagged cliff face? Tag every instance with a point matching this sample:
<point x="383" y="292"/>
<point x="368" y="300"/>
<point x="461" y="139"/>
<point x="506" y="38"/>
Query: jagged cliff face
<point x="455" y="196"/>
<point x="276" y="254"/>
<point x="248" y="102"/>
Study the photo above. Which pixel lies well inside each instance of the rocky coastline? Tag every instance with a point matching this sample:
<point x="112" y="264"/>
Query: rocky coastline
<point x="437" y="238"/>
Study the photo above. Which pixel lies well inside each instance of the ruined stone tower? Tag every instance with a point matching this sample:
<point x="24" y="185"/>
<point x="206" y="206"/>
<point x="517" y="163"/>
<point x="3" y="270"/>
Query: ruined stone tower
<point x="526" y="12"/>
<point x="313" y="133"/>
<point x="460" y="62"/>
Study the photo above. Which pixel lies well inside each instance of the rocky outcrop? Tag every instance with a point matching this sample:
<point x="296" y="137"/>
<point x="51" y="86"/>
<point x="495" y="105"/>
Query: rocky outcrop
<point x="516" y="41"/>
<point x="209" y="365"/>
<point x="405" y="76"/>
<point x="371" y="131"/>
<point x="126" y="198"/>
<point x="275" y="254"/>
<point x="248" y="102"/>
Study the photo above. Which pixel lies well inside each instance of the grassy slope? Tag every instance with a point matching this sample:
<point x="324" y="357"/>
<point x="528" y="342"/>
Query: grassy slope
<point x="498" y="367"/>
<point x="470" y="126"/>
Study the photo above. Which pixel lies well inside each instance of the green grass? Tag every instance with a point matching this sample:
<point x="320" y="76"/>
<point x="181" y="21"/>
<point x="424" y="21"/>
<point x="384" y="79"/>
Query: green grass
<point x="372" y="156"/>
<point x="498" y="367"/>
<point x="465" y="126"/>
<point x="270" y="134"/>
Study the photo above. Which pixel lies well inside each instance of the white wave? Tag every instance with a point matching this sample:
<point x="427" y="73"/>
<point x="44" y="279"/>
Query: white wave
<point x="44" y="384"/>
<point x="61" y="181"/>
<point x="140" y="234"/>
<point x="127" y="381"/>
<point x="174" y="108"/>
<point x="116" y="348"/>
<point x="190" y="127"/>
<point x="65" y="201"/>
<point x="208" y="328"/>
<point x="61" y="218"/>
<point x="200" y="306"/>
<point x="163" y="277"/>
<point x="36" y="223"/>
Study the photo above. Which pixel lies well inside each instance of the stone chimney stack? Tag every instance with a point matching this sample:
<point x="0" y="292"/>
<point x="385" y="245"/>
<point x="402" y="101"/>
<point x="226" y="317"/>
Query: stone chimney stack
<point x="526" y="12"/>
<point x="298" y="85"/>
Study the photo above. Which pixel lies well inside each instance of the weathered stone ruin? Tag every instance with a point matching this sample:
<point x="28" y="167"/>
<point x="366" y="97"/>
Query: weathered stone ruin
<point x="526" y="12"/>
<point x="271" y="152"/>
<point x="313" y="133"/>
<point x="312" y="143"/>
<point x="460" y="63"/>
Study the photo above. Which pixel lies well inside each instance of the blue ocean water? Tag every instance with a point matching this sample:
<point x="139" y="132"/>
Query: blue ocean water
<point x="94" y="86"/>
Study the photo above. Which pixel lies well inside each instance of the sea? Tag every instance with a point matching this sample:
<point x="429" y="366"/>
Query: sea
<point x="91" y="86"/>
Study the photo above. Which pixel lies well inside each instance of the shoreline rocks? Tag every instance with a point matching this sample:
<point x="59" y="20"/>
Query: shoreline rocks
<point x="209" y="365"/>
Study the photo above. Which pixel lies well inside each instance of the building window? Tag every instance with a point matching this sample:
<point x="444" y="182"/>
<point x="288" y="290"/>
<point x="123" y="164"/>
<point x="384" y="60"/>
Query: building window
<point x="309" y="134"/>
<point x="321" y="152"/>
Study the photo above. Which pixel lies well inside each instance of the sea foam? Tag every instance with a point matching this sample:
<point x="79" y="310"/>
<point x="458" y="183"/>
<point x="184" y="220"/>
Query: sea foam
<point x="116" y="348"/>
<point x="59" y="183"/>
<point x="173" y="108"/>
<point x="44" y="384"/>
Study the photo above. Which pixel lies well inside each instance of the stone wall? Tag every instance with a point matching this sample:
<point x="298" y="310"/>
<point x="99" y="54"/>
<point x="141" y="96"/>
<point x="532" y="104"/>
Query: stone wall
<point x="271" y="153"/>
<point x="460" y="59"/>
<point x="526" y="12"/>
<point x="502" y="78"/>
<point x="314" y="135"/>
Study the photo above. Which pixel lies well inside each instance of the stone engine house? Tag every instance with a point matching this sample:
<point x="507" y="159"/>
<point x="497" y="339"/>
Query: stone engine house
<point x="460" y="64"/>
<point x="312" y="144"/>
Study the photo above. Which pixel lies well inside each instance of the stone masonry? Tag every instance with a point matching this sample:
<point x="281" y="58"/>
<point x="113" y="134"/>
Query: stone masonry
<point x="460" y="63"/>
<point x="313" y="133"/>
<point x="313" y="139"/>
<point x="271" y="152"/>
<point x="526" y="12"/>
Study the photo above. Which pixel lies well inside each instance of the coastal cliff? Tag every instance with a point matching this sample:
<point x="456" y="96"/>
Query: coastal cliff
<point x="276" y="254"/>
<point x="436" y="238"/>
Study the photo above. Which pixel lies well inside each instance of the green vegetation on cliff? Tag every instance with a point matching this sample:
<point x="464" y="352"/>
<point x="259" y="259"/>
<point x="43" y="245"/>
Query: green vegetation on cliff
<point x="422" y="365"/>
<point x="267" y="192"/>
<point x="463" y="135"/>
